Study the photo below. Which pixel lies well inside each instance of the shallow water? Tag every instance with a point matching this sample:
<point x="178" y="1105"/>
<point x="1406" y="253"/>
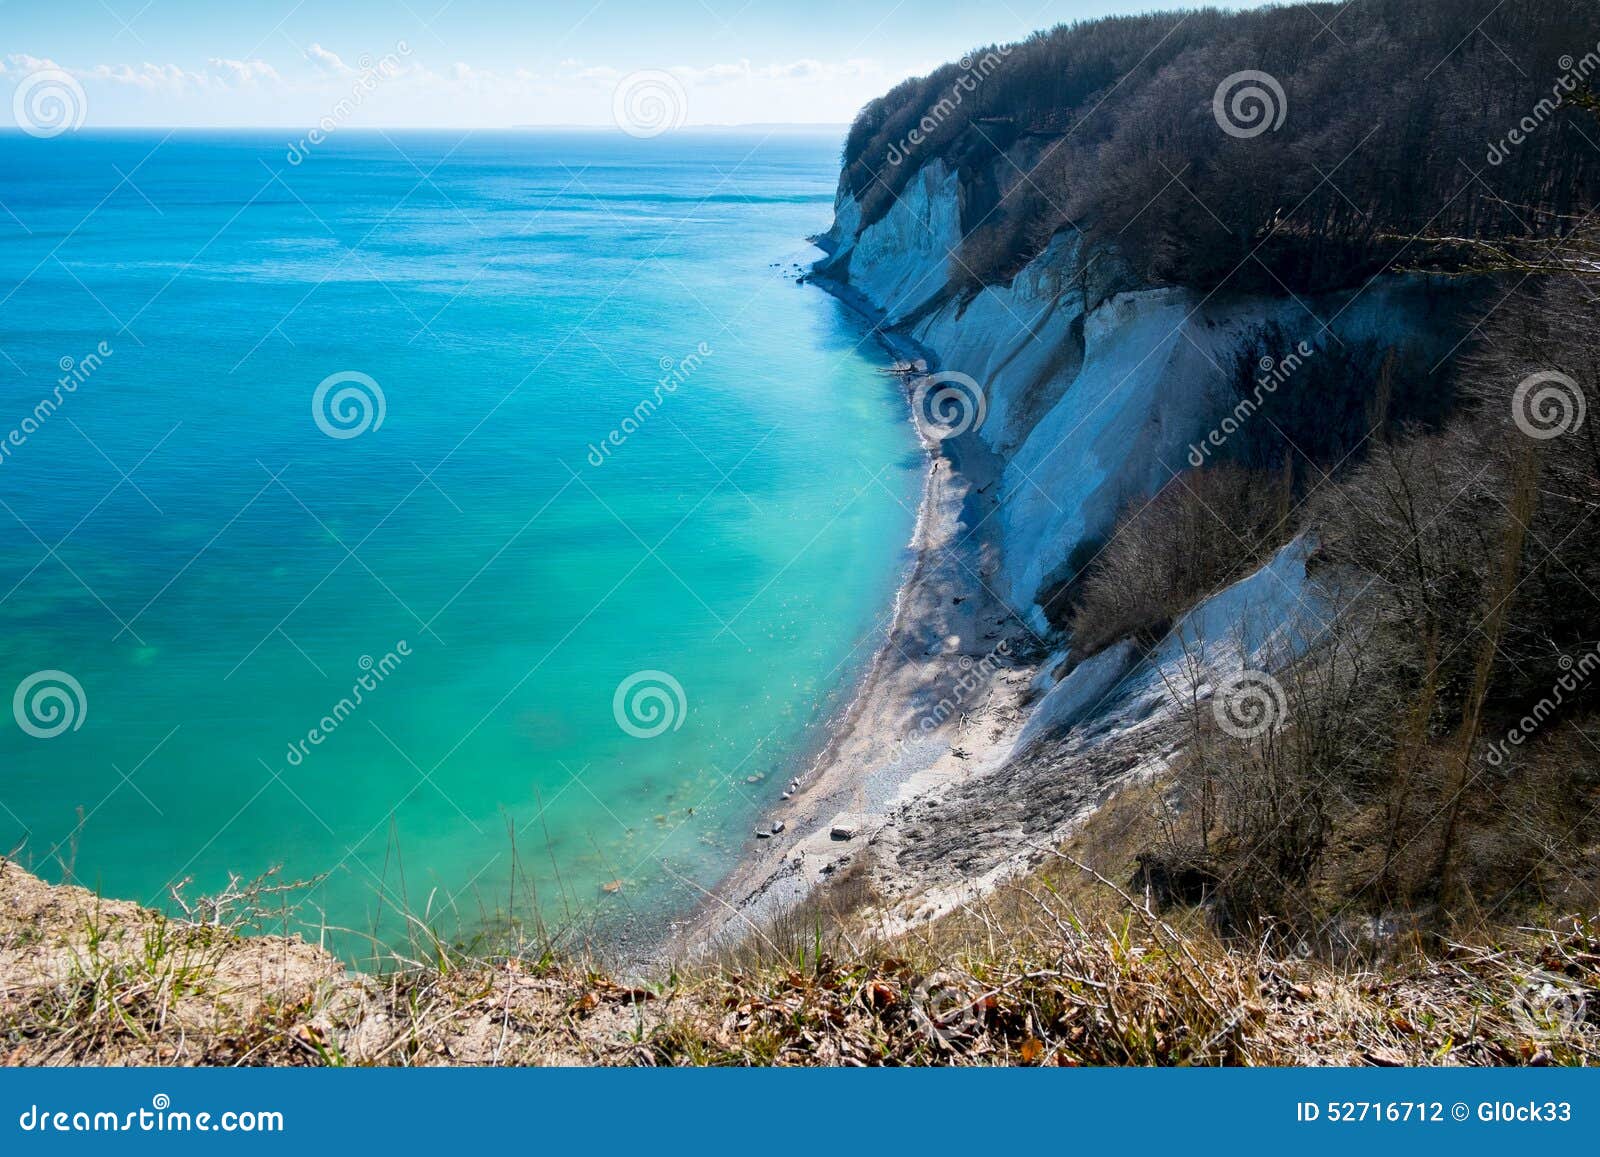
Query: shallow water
<point x="217" y="571"/>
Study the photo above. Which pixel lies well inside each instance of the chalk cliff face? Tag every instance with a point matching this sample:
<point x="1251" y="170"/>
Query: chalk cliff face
<point x="1093" y="401"/>
<point x="1258" y="623"/>
<point x="903" y="261"/>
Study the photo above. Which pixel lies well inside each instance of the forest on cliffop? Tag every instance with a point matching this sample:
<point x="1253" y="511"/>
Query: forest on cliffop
<point x="1394" y="121"/>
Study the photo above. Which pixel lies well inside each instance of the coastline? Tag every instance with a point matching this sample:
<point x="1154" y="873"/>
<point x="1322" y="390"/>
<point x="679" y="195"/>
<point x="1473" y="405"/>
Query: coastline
<point x="881" y="755"/>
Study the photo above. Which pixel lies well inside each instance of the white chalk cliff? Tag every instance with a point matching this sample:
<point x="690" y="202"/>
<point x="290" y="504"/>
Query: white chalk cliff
<point x="1092" y="403"/>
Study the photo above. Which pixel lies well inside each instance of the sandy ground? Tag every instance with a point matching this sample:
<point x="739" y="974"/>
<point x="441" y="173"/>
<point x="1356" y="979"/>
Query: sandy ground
<point x="942" y="704"/>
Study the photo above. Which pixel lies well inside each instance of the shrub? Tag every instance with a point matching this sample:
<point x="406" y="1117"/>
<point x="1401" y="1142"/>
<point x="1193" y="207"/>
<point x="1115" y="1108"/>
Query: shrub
<point x="1204" y="530"/>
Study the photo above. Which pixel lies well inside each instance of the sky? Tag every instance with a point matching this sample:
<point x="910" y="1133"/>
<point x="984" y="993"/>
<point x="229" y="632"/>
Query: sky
<point x="489" y="63"/>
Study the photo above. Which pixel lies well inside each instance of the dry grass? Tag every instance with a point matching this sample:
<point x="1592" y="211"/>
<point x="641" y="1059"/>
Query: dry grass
<point x="1058" y="969"/>
<point x="1065" y="968"/>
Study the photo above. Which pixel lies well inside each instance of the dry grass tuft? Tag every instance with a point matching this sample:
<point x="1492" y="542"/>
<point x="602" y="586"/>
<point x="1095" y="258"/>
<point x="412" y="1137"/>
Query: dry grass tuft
<point x="1058" y="969"/>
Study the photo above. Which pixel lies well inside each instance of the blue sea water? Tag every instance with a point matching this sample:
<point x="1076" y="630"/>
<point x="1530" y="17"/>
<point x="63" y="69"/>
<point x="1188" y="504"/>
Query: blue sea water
<point x="581" y="431"/>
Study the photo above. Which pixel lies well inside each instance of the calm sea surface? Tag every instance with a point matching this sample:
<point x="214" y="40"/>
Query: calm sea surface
<point x="462" y="520"/>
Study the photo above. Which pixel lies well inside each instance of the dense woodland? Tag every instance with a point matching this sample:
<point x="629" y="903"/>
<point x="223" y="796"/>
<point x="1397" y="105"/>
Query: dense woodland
<point x="1392" y="108"/>
<point x="1439" y="757"/>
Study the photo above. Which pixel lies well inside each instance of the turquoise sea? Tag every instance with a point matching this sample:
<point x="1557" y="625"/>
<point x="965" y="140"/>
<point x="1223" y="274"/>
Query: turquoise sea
<point x="468" y="521"/>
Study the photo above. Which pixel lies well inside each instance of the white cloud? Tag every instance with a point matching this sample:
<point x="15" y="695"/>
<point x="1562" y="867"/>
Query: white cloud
<point x="31" y="63"/>
<point x="231" y="91"/>
<point x="327" y="61"/>
<point x="463" y="75"/>
<point x="246" y="72"/>
<point x="804" y="70"/>
<point x="716" y="73"/>
<point x="149" y="77"/>
<point x="800" y="69"/>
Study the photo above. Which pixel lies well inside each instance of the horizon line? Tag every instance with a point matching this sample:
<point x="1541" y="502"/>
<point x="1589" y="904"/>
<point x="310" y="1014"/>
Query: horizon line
<point x="562" y="126"/>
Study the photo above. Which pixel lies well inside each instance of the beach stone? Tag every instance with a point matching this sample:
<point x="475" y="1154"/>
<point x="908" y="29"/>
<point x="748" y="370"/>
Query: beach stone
<point x="846" y="826"/>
